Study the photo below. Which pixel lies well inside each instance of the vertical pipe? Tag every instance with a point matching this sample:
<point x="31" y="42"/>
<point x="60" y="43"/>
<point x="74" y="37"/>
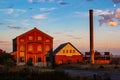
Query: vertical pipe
<point x="91" y="36"/>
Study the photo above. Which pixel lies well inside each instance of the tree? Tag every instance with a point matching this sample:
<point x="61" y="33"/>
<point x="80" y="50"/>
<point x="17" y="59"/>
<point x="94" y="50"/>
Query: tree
<point x="7" y="59"/>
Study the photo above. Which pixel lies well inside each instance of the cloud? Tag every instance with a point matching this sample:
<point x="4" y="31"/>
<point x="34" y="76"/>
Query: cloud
<point x="112" y="23"/>
<point x="117" y="13"/>
<point x="57" y="33"/>
<point x="20" y="10"/>
<point x="111" y="18"/>
<point x="63" y="3"/>
<point x="82" y="13"/>
<point x="46" y="0"/>
<point x="39" y="16"/>
<point x="10" y="11"/>
<point x="14" y="27"/>
<point x="73" y="36"/>
<point x="103" y="12"/>
<point x="38" y="1"/>
<point x="2" y="42"/>
<point x="106" y="19"/>
<point x="13" y="12"/>
<point x="30" y="1"/>
<point x="89" y="0"/>
<point x="116" y="1"/>
<point x="1" y="23"/>
<point x="47" y="9"/>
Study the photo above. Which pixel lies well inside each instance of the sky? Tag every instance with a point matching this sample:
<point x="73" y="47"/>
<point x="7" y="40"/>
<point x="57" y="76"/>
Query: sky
<point x="64" y="20"/>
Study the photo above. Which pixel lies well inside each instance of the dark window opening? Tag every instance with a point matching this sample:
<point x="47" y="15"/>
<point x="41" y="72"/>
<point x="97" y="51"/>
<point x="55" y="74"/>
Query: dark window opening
<point x="69" y="61"/>
<point x="73" y="51"/>
<point x="47" y="59"/>
<point x="21" y="59"/>
<point x="66" y="51"/>
<point x="39" y="60"/>
<point x="31" y="59"/>
<point x="107" y="58"/>
<point x="95" y="58"/>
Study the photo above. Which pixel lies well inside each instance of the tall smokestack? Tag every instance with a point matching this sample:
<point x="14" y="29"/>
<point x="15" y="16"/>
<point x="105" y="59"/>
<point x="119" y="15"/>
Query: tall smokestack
<point x="91" y="36"/>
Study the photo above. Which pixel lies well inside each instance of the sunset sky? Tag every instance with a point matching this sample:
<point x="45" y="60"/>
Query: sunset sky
<point x="64" y="20"/>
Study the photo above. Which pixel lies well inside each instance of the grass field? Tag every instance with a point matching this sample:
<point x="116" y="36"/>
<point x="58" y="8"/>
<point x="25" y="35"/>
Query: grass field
<point x="57" y="73"/>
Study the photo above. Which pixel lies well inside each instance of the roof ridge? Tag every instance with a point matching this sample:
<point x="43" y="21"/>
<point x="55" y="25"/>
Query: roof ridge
<point x="32" y="30"/>
<point x="63" y="45"/>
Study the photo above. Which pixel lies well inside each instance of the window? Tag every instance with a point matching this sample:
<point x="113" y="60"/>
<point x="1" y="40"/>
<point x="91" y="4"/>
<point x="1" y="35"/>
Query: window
<point x="39" y="48"/>
<point x="30" y="48"/>
<point x="39" y="60"/>
<point x="63" y="51"/>
<point x="66" y="51"/>
<point x="70" y="51"/>
<point x="47" y="40"/>
<point x="39" y="38"/>
<point x="21" y="59"/>
<point x="22" y="54"/>
<point x="47" y="48"/>
<point x="22" y="40"/>
<point x="22" y="48"/>
<point x="30" y="38"/>
<point x="31" y="59"/>
<point x="73" y="51"/>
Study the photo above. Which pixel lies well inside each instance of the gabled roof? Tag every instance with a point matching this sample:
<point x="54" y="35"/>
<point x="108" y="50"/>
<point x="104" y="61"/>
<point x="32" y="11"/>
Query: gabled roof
<point x="62" y="46"/>
<point x="34" y="29"/>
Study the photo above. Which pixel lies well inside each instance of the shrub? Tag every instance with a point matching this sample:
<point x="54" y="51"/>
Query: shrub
<point x="101" y="67"/>
<point x="29" y="63"/>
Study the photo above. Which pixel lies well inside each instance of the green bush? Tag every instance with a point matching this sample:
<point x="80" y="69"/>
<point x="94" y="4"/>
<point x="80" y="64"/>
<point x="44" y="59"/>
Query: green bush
<point x="7" y="59"/>
<point x="29" y="63"/>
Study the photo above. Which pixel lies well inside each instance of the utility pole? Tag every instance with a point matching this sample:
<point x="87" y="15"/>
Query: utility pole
<point x="91" y="36"/>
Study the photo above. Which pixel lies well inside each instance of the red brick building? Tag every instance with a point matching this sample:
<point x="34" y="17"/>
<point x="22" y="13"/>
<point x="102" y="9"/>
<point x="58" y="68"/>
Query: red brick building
<point x="99" y="58"/>
<point x="34" y="45"/>
<point x="67" y="53"/>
